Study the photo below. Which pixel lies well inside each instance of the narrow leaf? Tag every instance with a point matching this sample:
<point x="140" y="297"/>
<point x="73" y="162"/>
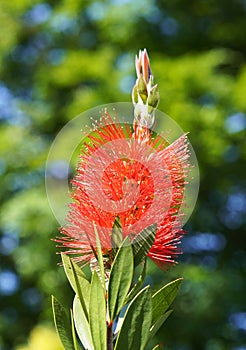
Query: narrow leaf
<point x="78" y="281"/>
<point x="82" y="324"/>
<point x="138" y="285"/>
<point x="154" y="329"/>
<point x="142" y="243"/>
<point x="116" y="237"/>
<point x="134" y="332"/>
<point x="97" y="314"/>
<point x="157" y="347"/>
<point x="75" y="342"/>
<point x="163" y="298"/>
<point x="62" y="324"/>
<point x="120" y="279"/>
<point x="100" y="259"/>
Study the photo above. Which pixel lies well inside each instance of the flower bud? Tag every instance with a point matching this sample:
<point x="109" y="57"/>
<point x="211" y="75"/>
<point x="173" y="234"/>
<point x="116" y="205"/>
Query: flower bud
<point x="142" y="88"/>
<point x="154" y="96"/>
<point x="145" y="95"/>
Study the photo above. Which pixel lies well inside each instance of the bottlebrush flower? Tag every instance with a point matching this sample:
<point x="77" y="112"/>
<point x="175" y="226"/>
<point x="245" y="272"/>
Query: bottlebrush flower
<point x="131" y="175"/>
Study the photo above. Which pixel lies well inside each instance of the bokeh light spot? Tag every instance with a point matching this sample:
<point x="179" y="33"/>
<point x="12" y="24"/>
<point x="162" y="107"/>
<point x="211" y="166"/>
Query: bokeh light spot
<point x="9" y="282"/>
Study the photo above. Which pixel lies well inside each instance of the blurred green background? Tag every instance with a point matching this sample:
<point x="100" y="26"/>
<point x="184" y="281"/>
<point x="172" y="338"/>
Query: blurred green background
<point x="60" y="58"/>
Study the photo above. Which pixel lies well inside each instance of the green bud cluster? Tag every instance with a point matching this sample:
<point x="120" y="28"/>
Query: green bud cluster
<point x="145" y="95"/>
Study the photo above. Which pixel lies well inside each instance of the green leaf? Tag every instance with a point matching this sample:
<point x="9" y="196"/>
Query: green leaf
<point x="157" y="347"/>
<point x="97" y="314"/>
<point x="62" y="324"/>
<point x="82" y="324"/>
<point x="137" y="286"/>
<point x="75" y="342"/>
<point x="78" y="281"/>
<point x="120" y="279"/>
<point x="116" y="236"/>
<point x="100" y="259"/>
<point x="134" y="332"/>
<point x="163" y="298"/>
<point x="142" y="243"/>
<point x="155" y="327"/>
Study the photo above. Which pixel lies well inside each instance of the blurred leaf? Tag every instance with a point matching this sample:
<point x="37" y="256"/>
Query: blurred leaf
<point x="97" y="314"/>
<point x="71" y="71"/>
<point x="134" y="332"/>
<point x="62" y="324"/>
<point x="42" y="337"/>
<point x="82" y="325"/>
<point x="142" y="243"/>
<point x="120" y="279"/>
<point x="78" y="281"/>
<point x="163" y="298"/>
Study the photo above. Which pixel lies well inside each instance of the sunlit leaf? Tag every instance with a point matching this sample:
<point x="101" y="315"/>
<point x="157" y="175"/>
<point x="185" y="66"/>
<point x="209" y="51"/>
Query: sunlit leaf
<point x="163" y="298"/>
<point x="142" y="243"/>
<point x="75" y="341"/>
<point x="157" y="347"/>
<point x="120" y="279"/>
<point x="62" y="324"/>
<point x="78" y="281"/>
<point x="100" y="260"/>
<point x="155" y="327"/>
<point x="82" y="325"/>
<point x="137" y="286"/>
<point x="134" y="332"/>
<point x="116" y="237"/>
<point x="97" y="314"/>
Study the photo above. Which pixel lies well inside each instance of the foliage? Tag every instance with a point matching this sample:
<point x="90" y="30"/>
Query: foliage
<point x="98" y="315"/>
<point x="60" y="58"/>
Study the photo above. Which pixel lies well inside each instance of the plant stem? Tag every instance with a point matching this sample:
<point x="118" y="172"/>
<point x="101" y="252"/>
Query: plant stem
<point x="110" y="336"/>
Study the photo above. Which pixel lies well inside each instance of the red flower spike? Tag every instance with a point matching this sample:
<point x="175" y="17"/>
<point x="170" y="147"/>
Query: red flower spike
<point x="133" y="175"/>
